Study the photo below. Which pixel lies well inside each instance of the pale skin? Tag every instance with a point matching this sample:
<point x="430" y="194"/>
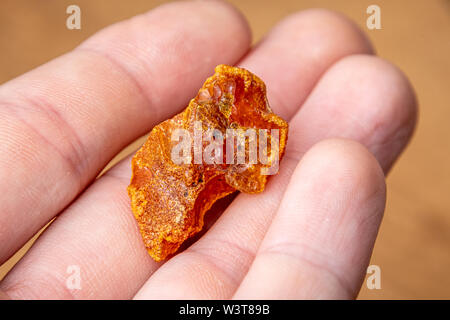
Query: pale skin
<point x="310" y="234"/>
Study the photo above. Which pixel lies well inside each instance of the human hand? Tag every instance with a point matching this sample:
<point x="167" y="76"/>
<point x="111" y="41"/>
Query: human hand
<point x="308" y="235"/>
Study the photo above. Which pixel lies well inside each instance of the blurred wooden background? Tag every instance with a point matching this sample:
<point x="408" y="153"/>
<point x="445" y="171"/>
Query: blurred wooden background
<point x="413" y="247"/>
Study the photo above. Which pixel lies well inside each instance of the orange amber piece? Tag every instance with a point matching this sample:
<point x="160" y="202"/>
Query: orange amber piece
<point x="168" y="198"/>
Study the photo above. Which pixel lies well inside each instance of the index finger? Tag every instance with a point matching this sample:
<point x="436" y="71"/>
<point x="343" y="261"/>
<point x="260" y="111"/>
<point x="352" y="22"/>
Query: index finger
<point x="63" y="122"/>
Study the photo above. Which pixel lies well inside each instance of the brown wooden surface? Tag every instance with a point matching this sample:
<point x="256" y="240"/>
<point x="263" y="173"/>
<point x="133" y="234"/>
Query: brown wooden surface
<point x="413" y="247"/>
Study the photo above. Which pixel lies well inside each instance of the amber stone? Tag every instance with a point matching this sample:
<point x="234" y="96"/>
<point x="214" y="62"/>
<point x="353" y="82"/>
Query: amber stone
<point x="169" y="200"/>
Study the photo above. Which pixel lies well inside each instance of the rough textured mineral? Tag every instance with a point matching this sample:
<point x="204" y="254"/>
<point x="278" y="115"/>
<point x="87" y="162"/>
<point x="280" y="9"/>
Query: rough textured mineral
<point x="169" y="199"/>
